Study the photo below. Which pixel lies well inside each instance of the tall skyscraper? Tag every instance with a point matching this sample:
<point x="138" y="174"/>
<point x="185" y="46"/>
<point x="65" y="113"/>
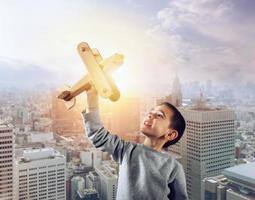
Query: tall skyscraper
<point x="208" y="145"/>
<point x="175" y="98"/>
<point x="6" y="162"/>
<point x="176" y="92"/>
<point x="40" y="174"/>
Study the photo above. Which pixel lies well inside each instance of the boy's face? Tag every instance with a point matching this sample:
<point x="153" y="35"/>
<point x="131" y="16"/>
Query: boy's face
<point x="157" y="122"/>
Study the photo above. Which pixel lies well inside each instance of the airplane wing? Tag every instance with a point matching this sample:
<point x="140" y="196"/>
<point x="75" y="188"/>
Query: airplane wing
<point x="102" y="81"/>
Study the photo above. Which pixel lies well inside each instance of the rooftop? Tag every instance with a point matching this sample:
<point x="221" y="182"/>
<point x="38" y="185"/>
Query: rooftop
<point x="4" y="126"/>
<point x="87" y="192"/>
<point x="201" y="104"/>
<point x="220" y="179"/>
<point x="39" y="154"/>
<point x="243" y="173"/>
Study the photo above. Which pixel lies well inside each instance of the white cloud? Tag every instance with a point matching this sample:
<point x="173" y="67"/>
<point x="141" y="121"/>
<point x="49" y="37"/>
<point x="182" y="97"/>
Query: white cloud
<point x="202" y="40"/>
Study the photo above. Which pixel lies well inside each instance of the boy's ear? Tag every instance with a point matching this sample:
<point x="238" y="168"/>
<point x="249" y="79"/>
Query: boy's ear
<point x="171" y="134"/>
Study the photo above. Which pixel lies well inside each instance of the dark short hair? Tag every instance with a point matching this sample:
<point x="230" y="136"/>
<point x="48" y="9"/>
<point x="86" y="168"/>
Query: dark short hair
<point x="177" y="122"/>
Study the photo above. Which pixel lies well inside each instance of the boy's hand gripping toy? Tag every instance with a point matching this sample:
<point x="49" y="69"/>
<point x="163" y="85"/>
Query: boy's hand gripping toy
<point x="99" y="72"/>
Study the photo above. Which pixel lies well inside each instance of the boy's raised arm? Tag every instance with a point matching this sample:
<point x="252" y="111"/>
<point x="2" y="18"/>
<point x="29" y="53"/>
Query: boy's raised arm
<point x="95" y="130"/>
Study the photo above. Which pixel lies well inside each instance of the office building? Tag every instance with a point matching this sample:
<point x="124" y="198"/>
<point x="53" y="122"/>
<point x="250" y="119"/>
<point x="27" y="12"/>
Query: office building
<point x="77" y="184"/>
<point x="236" y="183"/>
<point x="6" y="162"/>
<point x="108" y="183"/>
<point x="207" y="147"/>
<point x="40" y="175"/>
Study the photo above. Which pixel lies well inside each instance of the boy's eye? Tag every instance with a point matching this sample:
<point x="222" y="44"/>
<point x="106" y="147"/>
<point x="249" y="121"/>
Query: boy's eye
<point x="159" y="115"/>
<point x="156" y="114"/>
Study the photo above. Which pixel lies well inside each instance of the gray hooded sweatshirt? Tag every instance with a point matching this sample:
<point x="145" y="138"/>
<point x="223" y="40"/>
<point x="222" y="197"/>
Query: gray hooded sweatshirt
<point x="143" y="172"/>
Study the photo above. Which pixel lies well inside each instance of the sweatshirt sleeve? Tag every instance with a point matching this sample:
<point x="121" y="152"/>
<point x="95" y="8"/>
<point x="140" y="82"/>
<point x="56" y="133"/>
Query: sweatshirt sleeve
<point x="102" y="138"/>
<point x="178" y="186"/>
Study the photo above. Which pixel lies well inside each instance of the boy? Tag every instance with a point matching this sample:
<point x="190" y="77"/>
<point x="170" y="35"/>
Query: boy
<point x="144" y="171"/>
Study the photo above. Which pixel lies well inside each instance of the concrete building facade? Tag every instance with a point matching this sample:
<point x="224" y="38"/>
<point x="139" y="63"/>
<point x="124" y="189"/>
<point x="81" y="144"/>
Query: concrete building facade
<point x="207" y="146"/>
<point x="41" y="174"/>
<point x="6" y="162"/>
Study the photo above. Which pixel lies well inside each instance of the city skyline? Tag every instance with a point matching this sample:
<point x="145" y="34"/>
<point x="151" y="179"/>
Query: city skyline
<point x="34" y="114"/>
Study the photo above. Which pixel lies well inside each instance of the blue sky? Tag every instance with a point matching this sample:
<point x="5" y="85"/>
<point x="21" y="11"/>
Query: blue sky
<point x="199" y="39"/>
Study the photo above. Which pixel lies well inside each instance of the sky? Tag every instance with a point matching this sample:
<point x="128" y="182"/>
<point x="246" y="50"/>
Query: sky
<point x="197" y="39"/>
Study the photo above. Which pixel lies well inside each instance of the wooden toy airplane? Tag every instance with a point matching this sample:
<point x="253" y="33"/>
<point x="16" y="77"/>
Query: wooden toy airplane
<point x="99" y="71"/>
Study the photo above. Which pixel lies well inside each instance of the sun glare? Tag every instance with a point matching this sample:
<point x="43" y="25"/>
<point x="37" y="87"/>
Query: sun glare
<point x="123" y="79"/>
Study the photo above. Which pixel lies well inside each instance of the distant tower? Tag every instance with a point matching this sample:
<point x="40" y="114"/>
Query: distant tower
<point x="176" y="97"/>
<point x="176" y="92"/>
